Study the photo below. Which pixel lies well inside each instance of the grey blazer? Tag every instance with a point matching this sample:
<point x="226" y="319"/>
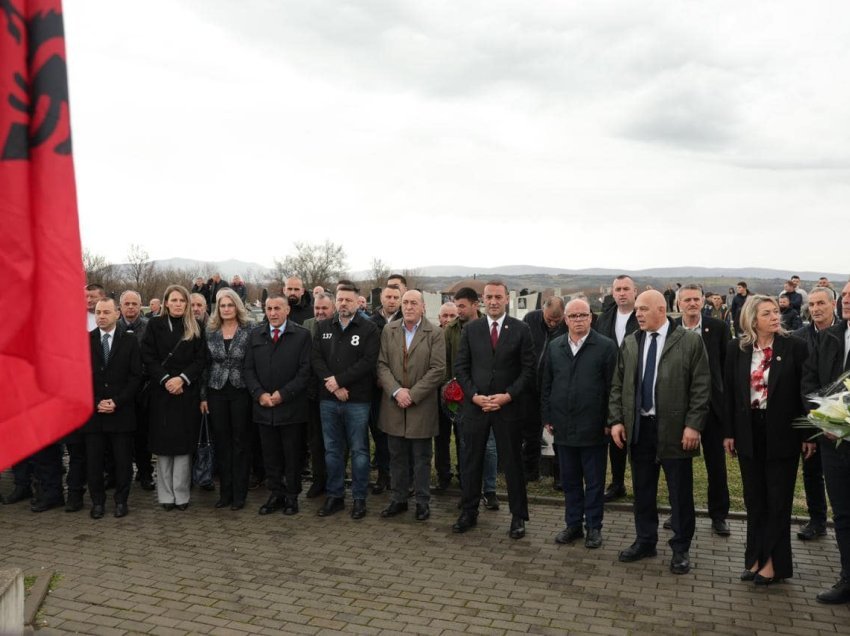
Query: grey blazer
<point x="223" y="364"/>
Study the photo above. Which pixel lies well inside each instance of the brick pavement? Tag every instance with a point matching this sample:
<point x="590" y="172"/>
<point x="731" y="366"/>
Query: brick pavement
<point x="221" y="572"/>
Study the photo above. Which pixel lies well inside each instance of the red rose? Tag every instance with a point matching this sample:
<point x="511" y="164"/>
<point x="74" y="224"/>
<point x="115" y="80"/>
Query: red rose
<point x="452" y="392"/>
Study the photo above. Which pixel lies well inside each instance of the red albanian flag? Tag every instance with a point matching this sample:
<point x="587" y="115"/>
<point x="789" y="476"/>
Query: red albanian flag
<point x="45" y="372"/>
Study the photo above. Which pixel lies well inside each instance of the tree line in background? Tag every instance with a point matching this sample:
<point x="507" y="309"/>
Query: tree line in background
<point x="316" y="264"/>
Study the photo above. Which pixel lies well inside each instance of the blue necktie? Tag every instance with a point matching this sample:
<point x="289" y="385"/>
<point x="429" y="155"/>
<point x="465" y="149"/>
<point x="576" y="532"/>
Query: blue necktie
<point x="105" y="342"/>
<point x="646" y="393"/>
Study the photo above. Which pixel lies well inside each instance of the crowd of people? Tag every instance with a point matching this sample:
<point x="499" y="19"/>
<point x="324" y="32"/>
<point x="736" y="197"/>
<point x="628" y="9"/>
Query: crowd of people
<point x="301" y="391"/>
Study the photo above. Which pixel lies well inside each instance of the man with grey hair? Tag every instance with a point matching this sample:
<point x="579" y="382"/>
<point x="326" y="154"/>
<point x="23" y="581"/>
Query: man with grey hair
<point x="715" y="336"/>
<point x="822" y="311"/>
<point x="448" y="312"/>
<point x="546" y="324"/>
<point x="576" y="379"/>
<point x="133" y="322"/>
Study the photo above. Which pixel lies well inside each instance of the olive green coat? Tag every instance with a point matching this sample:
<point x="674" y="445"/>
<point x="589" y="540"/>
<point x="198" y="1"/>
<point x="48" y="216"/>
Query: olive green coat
<point x="682" y="388"/>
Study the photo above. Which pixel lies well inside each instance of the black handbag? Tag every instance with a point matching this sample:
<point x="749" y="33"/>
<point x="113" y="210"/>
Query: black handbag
<point x="202" y="466"/>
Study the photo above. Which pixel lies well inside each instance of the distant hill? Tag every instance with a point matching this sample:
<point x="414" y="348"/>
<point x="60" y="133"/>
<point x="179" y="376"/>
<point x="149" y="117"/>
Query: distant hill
<point x="206" y="268"/>
<point x="657" y="272"/>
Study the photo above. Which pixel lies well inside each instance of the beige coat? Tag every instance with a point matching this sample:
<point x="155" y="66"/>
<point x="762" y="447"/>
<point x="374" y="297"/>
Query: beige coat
<point x="426" y="369"/>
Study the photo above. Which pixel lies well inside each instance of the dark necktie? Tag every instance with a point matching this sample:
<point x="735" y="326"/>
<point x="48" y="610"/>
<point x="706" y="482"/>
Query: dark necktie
<point x="646" y="393"/>
<point x="276" y="334"/>
<point x="494" y="335"/>
<point x="105" y="342"/>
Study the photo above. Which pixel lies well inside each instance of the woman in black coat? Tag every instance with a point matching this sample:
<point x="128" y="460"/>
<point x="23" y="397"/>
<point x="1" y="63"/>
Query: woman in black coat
<point x="174" y="354"/>
<point x="225" y="398"/>
<point x="762" y="394"/>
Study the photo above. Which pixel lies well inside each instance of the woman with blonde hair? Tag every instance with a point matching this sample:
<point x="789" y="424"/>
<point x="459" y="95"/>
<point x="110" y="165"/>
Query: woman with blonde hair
<point x="225" y="398"/>
<point x="174" y="354"/>
<point x="763" y="373"/>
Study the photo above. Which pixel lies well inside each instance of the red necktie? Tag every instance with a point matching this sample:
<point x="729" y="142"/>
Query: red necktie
<point x="276" y="335"/>
<point x="494" y="334"/>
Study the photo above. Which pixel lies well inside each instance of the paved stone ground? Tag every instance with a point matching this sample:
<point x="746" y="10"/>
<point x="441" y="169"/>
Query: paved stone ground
<point x="221" y="572"/>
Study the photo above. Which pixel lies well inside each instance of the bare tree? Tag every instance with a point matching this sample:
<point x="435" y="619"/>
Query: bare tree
<point x="315" y="264"/>
<point x="414" y="278"/>
<point x="98" y="269"/>
<point x="140" y="267"/>
<point x="379" y="272"/>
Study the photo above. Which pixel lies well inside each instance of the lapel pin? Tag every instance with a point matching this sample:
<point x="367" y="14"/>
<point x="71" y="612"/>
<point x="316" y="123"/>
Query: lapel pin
<point x="779" y="358"/>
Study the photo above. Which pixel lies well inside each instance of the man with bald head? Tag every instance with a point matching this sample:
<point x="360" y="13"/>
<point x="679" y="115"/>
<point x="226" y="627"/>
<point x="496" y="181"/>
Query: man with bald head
<point x="448" y="312"/>
<point x="657" y="409"/>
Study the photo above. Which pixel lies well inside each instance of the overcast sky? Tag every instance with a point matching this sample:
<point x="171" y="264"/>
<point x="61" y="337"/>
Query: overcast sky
<point x="566" y="134"/>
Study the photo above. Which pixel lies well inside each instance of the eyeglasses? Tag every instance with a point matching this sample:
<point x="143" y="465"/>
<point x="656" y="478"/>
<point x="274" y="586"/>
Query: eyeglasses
<point x="578" y="316"/>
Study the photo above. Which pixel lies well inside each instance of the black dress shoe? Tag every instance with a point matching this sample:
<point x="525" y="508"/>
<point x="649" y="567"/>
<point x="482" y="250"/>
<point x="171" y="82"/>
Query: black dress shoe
<point x="636" y="552"/>
<point x="146" y="483"/>
<point x="290" y="506"/>
<point x="74" y="503"/>
<point x="40" y="505"/>
<point x="758" y="579"/>
<point x="209" y="486"/>
<point x="121" y="510"/>
<point x="594" y="538"/>
<point x="168" y="507"/>
<point x="748" y="575"/>
<point x="517" y="530"/>
<point x="811" y="531"/>
<point x="423" y="511"/>
<point x="223" y="503"/>
<point x="332" y="506"/>
<point x="569" y="534"/>
<point x="382" y="483"/>
<point x="556" y="485"/>
<point x="680" y="563"/>
<point x="272" y="505"/>
<point x="837" y="594"/>
<point x="720" y="527"/>
<point x="668" y="522"/>
<point x="237" y="505"/>
<point x="395" y="508"/>
<point x="491" y="501"/>
<point x="97" y="511"/>
<point x="358" y="509"/>
<point x="614" y="491"/>
<point x="182" y="507"/>
<point x="465" y="522"/>
<point x="443" y="484"/>
<point x="19" y="494"/>
<point x="317" y="488"/>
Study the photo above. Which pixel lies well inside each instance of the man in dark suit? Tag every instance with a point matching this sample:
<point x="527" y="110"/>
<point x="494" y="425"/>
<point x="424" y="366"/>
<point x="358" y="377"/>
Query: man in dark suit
<point x="117" y="375"/>
<point x="546" y="324"/>
<point x="276" y="370"/>
<point x="715" y="336"/>
<point x="827" y="362"/>
<point x="616" y="322"/>
<point x="495" y="367"/>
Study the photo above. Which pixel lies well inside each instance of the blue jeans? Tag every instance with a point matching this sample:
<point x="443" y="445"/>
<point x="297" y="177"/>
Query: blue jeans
<point x="491" y="460"/>
<point x="346" y="423"/>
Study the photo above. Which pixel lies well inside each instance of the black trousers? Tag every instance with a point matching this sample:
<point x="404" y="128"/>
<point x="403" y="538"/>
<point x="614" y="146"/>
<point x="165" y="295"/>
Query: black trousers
<point x="769" y="498"/>
<point x="122" y="454"/>
<point x="230" y="425"/>
<point x="814" y="486"/>
<point x="836" y="470"/>
<point x="715" y="467"/>
<point x="532" y="432"/>
<point x="77" y="472"/>
<point x="617" y="462"/>
<point x="442" y="448"/>
<point x="680" y="488"/>
<point x="141" y="445"/>
<point x="47" y="471"/>
<point x="316" y="442"/>
<point x="282" y="458"/>
<point x="509" y="449"/>
<point x="256" y="461"/>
